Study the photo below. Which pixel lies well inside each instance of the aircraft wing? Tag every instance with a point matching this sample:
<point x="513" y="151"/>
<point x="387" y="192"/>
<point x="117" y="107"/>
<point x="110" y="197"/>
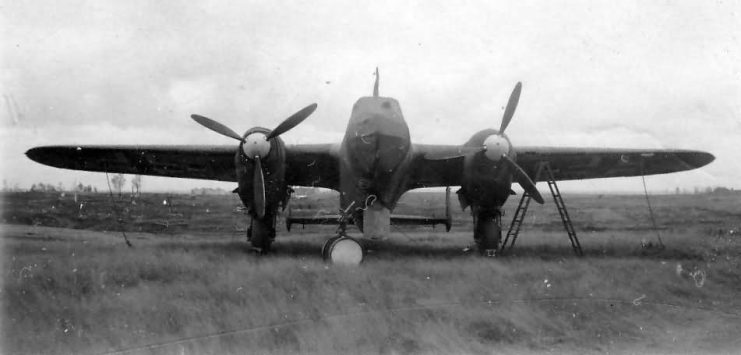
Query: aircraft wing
<point x="306" y="165"/>
<point x="566" y="163"/>
<point x="428" y="172"/>
<point x="593" y="163"/>
<point x="184" y="161"/>
<point x="314" y="165"/>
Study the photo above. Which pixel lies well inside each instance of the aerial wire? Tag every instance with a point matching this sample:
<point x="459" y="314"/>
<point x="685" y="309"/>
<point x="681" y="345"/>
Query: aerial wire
<point x="650" y="210"/>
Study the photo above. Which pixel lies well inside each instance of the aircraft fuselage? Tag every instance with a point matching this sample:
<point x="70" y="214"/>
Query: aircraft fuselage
<point x="375" y="156"/>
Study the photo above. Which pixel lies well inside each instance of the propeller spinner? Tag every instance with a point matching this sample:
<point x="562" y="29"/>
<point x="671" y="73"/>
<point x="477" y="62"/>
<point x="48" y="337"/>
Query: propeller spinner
<point x="256" y="146"/>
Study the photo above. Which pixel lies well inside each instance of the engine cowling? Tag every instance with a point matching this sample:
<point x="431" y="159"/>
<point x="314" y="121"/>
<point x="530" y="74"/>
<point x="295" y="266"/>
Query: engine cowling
<point x="486" y="179"/>
<point x="271" y="155"/>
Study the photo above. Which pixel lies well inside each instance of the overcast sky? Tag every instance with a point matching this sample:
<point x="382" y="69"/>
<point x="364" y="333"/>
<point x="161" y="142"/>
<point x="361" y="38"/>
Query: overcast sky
<point x="661" y="74"/>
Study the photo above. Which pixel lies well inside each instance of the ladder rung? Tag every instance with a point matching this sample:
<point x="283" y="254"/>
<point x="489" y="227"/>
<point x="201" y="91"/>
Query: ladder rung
<point x="519" y="217"/>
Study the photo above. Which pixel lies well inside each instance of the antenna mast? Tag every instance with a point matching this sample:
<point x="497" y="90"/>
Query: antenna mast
<point x="375" y="87"/>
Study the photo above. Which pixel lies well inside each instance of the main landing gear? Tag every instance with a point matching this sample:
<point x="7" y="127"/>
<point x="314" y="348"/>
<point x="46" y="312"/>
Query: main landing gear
<point x="487" y="231"/>
<point x="261" y="234"/>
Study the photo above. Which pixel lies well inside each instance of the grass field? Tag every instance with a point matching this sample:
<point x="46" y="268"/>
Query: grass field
<point x="189" y="284"/>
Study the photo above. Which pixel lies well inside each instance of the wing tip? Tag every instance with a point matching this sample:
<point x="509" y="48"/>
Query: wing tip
<point x="698" y="159"/>
<point x="35" y="153"/>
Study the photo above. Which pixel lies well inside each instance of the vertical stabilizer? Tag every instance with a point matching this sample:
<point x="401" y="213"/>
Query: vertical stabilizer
<point x="375" y="87"/>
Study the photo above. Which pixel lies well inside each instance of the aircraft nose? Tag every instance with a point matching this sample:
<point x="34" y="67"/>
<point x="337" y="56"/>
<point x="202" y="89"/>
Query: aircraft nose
<point x="379" y="144"/>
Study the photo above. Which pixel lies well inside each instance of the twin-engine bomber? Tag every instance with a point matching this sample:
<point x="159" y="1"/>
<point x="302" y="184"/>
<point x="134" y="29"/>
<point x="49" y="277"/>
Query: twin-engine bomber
<point x="373" y="165"/>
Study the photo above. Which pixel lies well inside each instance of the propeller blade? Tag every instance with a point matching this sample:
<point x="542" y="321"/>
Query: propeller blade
<point x="292" y="121"/>
<point x="461" y="152"/>
<point x="511" y="106"/>
<point x="524" y="180"/>
<point x="258" y="184"/>
<point x="216" y="127"/>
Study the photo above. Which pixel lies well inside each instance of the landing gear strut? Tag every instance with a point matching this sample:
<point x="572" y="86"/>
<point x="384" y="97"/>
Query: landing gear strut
<point x="261" y="234"/>
<point x="488" y="231"/>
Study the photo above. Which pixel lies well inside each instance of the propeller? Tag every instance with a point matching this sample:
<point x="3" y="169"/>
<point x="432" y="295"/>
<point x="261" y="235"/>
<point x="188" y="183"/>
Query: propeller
<point x="283" y="127"/>
<point x="292" y="121"/>
<point x="517" y="172"/>
<point x="259" y="189"/>
<point x="496" y="147"/>
<point x="514" y="98"/>
<point x="524" y="180"/>
<point x="216" y="127"/>
<point x="256" y="147"/>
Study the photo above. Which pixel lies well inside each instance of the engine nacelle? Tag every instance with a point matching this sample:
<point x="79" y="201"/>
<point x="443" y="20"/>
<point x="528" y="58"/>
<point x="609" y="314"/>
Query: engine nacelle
<point x="272" y="158"/>
<point x="486" y="182"/>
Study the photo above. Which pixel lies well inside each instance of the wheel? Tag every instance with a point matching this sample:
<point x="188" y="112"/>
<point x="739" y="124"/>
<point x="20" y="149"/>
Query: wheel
<point x="343" y="251"/>
<point x="327" y="245"/>
<point x="489" y="235"/>
<point x="261" y="236"/>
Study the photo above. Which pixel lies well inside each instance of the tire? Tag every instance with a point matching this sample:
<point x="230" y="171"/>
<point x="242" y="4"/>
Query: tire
<point x="489" y="233"/>
<point x="261" y="236"/>
<point x="344" y="251"/>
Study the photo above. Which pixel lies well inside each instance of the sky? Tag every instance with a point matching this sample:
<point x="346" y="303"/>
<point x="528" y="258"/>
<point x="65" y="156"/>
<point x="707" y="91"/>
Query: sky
<point x="634" y="74"/>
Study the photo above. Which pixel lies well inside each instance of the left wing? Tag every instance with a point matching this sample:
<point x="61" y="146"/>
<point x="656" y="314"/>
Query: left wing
<point x="313" y="165"/>
<point x="566" y="163"/>
<point x="306" y="165"/>
<point x="184" y="161"/>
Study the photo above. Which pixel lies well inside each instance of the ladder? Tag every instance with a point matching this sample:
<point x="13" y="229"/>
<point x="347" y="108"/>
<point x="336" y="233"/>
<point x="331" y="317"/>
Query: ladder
<point x="516" y="225"/>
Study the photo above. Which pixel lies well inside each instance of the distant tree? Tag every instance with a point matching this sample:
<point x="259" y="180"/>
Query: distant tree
<point x="136" y="184"/>
<point x="41" y="187"/>
<point x="117" y="182"/>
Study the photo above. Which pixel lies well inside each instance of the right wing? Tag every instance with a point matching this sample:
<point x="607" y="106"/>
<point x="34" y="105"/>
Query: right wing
<point x="592" y="163"/>
<point x="566" y="163"/>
